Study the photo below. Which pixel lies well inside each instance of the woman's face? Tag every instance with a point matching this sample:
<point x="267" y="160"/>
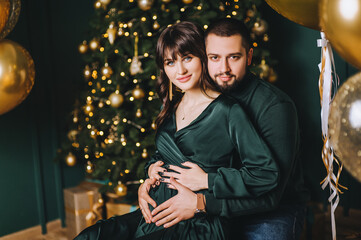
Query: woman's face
<point x="184" y="72"/>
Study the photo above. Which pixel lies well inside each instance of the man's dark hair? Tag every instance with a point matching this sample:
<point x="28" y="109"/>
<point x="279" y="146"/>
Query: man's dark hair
<point x="227" y="27"/>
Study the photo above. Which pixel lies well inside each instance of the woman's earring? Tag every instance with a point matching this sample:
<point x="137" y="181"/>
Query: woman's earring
<point x="170" y="91"/>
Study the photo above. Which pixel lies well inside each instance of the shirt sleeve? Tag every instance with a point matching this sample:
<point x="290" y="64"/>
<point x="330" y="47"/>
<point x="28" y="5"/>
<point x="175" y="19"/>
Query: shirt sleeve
<point x="279" y="129"/>
<point x="155" y="157"/>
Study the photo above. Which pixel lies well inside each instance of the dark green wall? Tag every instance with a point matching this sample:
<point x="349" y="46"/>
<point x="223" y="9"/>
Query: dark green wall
<point x="31" y="183"/>
<point x="295" y="48"/>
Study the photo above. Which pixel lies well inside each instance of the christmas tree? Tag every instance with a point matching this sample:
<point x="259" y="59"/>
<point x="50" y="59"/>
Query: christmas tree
<point x="112" y="129"/>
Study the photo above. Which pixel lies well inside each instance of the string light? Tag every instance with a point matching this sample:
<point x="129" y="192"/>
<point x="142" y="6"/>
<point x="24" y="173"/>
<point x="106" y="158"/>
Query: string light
<point x="122" y="74"/>
<point x="126" y="34"/>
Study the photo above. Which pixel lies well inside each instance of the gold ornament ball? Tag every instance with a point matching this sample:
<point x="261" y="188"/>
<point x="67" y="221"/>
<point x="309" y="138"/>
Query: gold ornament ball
<point x="344" y="123"/>
<point x="17" y="74"/>
<point x="72" y="135"/>
<point x="106" y="70"/>
<point x="221" y="7"/>
<point x="145" y="5"/>
<point x="138" y="93"/>
<point x="70" y="160"/>
<point x="97" y="4"/>
<point x="94" y="44"/>
<point x="120" y="189"/>
<point x="87" y="72"/>
<point x="120" y="32"/>
<point x="144" y="153"/>
<point x="250" y="13"/>
<point x="187" y="1"/>
<point x="9" y="15"/>
<point x="156" y="25"/>
<point x="88" y="108"/>
<point x="89" y="167"/>
<point x="83" y="47"/>
<point x="105" y="2"/>
<point x="116" y="99"/>
<point x="265" y="69"/>
<point x="138" y="114"/>
<point x="260" y="27"/>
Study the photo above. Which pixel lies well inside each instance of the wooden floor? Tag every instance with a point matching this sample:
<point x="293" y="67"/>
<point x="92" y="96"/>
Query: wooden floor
<point x="55" y="232"/>
<point x="348" y="227"/>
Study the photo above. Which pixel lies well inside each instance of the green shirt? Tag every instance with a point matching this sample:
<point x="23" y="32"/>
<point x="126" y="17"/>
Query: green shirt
<point x="274" y="116"/>
<point x="220" y="137"/>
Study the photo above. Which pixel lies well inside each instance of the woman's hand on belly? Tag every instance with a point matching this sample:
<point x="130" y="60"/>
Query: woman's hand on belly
<point x="193" y="177"/>
<point x="178" y="208"/>
<point x="144" y="199"/>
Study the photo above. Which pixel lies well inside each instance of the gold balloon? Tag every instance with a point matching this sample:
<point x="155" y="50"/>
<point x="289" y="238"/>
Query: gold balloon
<point x="345" y="125"/>
<point x="70" y="159"/>
<point x="304" y="12"/>
<point x="116" y="99"/>
<point x="341" y="22"/>
<point x="120" y="189"/>
<point x="13" y="15"/>
<point x="4" y="13"/>
<point x="17" y="75"/>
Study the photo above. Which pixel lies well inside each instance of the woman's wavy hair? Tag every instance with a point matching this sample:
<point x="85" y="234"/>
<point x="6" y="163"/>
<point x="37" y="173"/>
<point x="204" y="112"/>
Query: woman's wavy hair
<point x="180" y="39"/>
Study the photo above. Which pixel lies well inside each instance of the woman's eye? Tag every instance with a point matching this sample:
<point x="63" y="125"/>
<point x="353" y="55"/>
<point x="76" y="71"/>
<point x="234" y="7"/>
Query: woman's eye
<point x="187" y="59"/>
<point x="214" y="58"/>
<point x="170" y="63"/>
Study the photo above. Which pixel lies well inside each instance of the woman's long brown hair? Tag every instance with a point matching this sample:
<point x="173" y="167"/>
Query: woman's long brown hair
<point x="180" y="39"/>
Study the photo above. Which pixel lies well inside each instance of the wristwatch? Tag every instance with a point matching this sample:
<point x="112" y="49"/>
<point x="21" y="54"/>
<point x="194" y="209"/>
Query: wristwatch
<point x="201" y="207"/>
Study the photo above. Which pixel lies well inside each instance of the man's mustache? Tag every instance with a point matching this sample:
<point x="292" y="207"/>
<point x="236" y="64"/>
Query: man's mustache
<point x="224" y="74"/>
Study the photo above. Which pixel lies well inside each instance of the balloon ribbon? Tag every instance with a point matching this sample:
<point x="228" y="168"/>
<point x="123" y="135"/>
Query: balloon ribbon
<point x="325" y="88"/>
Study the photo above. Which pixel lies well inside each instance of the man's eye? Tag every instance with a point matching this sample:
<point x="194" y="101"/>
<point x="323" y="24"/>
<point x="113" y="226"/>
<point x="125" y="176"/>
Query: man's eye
<point x="235" y="57"/>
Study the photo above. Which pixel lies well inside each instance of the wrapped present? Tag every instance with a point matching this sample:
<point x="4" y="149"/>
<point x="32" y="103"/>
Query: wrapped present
<point x="83" y="207"/>
<point x="116" y="209"/>
<point x="118" y="205"/>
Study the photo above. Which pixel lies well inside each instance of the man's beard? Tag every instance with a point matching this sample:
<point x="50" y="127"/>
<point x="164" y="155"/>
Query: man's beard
<point x="226" y="86"/>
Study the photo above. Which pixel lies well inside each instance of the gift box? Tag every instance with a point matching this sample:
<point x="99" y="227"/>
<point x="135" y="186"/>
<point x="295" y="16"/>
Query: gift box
<point x="116" y="209"/>
<point x="116" y="205"/>
<point x="83" y="207"/>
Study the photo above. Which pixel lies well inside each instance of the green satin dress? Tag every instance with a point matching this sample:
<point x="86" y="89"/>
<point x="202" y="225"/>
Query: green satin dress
<point x="219" y="138"/>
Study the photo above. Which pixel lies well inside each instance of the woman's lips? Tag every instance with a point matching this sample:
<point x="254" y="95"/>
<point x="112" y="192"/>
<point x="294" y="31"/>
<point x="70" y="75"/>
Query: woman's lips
<point x="185" y="78"/>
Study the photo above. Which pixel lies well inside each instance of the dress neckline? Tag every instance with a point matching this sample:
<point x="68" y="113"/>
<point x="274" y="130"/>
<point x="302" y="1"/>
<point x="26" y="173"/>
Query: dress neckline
<point x="196" y="119"/>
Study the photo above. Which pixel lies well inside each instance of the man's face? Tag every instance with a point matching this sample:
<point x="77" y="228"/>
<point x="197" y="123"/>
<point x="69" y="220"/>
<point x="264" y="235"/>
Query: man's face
<point x="227" y="59"/>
